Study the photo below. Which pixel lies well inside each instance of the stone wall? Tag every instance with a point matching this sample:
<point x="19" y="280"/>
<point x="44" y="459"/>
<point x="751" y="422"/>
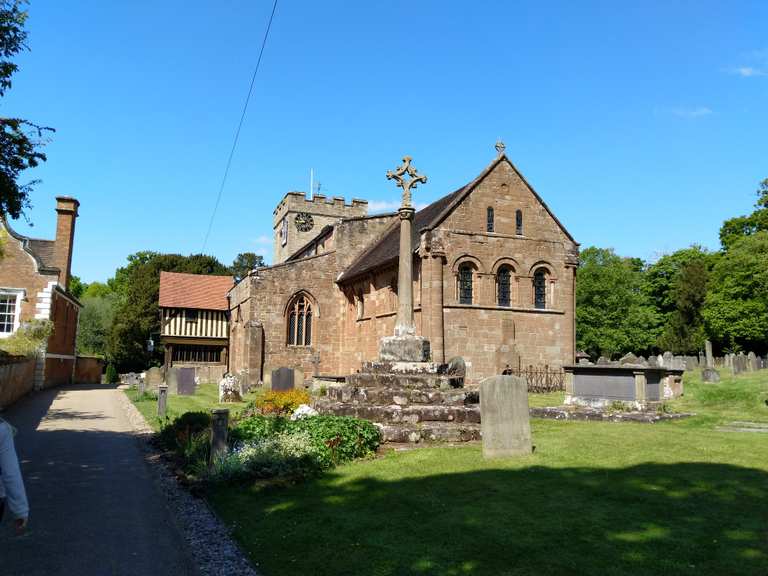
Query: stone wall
<point x="16" y="379"/>
<point x="264" y="297"/>
<point x="88" y="370"/>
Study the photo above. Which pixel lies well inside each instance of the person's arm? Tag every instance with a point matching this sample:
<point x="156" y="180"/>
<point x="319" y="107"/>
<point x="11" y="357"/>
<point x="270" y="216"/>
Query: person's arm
<point x="10" y="474"/>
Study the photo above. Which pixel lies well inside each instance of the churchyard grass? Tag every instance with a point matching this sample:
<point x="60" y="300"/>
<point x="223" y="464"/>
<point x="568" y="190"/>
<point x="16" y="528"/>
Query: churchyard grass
<point x="676" y="497"/>
<point x="205" y="398"/>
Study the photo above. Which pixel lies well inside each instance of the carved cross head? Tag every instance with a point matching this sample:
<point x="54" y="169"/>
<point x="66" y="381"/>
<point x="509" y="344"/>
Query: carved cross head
<point x="406" y="178"/>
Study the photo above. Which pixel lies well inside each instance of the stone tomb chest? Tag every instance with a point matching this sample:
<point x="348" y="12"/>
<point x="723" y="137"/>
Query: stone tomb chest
<point x="639" y="387"/>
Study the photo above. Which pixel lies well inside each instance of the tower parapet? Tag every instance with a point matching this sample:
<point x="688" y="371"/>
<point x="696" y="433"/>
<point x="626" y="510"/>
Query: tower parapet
<point x="298" y="219"/>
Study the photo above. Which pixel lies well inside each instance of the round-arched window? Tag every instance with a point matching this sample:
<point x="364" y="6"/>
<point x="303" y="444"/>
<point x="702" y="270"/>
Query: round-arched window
<point x="504" y="286"/>
<point x="465" y="284"/>
<point x="540" y="288"/>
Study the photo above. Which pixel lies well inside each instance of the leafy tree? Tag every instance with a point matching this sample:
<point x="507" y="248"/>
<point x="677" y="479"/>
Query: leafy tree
<point x="76" y="286"/>
<point x="96" y="320"/>
<point x="245" y="262"/>
<point x="97" y="289"/>
<point x="20" y="140"/>
<point x="736" y="306"/>
<point x="736" y="228"/>
<point x="613" y="313"/>
<point x="677" y="285"/>
<point x="137" y="315"/>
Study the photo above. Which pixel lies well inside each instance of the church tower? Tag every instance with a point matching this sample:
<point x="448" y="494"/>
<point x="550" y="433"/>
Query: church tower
<point x="298" y="219"/>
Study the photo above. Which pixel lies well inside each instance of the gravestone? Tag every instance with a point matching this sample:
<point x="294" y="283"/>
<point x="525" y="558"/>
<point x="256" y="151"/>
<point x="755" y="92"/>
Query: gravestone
<point x="162" y="400"/>
<point x="628" y="358"/>
<point x="752" y="362"/>
<point x="154" y="377"/>
<point x="219" y="428"/>
<point x="282" y="379"/>
<point x="185" y="381"/>
<point x="667" y="359"/>
<point x="710" y="358"/>
<point x="603" y="361"/>
<point x="504" y="417"/>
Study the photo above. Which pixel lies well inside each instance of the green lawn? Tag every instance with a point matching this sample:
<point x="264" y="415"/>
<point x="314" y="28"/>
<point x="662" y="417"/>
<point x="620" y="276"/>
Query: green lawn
<point x="594" y="498"/>
<point x="206" y="398"/>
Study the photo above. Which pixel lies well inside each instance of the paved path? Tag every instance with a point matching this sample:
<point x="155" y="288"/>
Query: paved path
<point x="94" y="508"/>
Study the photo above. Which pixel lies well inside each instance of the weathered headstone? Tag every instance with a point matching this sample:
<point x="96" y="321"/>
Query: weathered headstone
<point x="628" y="358"/>
<point x="229" y="390"/>
<point x="185" y="381"/>
<point x="710" y="357"/>
<point x="504" y="417"/>
<point x="154" y="377"/>
<point x="457" y="369"/>
<point x="219" y="426"/>
<point x="282" y="379"/>
<point x="603" y="361"/>
<point x="667" y="360"/>
<point x="710" y="375"/>
<point x="752" y="365"/>
<point x="141" y="386"/>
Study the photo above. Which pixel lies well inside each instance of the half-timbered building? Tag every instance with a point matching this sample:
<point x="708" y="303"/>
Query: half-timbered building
<point x="194" y="319"/>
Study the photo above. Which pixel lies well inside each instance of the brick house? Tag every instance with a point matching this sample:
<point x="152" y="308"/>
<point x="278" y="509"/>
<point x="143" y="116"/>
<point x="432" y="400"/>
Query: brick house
<point x="34" y="284"/>
<point x="494" y="282"/>
<point x="194" y="321"/>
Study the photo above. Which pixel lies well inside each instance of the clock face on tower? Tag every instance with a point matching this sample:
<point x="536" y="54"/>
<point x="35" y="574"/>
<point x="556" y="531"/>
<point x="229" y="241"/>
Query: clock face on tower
<point x="304" y="222"/>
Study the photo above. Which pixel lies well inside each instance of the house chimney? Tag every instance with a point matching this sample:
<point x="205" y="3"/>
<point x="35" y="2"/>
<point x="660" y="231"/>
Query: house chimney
<point x="66" y="209"/>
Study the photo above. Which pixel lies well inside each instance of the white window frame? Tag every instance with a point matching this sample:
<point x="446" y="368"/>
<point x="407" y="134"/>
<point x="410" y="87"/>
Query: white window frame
<point x="19" y="294"/>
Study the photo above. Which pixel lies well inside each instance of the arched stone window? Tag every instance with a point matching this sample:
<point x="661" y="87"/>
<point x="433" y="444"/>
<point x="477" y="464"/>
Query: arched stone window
<point x="540" y="288"/>
<point x="519" y="222"/>
<point x="504" y="286"/>
<point x="489" y="219"/>
<point x="465" y="283"/>
<point x="299" y="321"/>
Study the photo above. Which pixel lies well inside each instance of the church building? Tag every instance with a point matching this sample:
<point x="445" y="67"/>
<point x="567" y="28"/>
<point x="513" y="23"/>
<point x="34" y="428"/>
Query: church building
<point x="494" y="276"/>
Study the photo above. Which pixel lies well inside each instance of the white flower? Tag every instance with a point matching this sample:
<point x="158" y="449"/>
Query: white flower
<point x="303" y="411"/>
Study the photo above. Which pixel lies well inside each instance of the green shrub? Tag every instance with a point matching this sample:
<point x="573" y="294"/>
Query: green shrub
<point x="257" y="427"/>
<point x="28" y="339"/>
<point x="111" y="375"/>
<point x="339" y="438"/>
<point x="189" y="435"/>
<point x="291" y="455"/>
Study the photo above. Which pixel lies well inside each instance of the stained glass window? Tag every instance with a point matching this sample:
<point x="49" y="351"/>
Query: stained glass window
<point x="489" y="218"/>
<point x="465" y="284"/>
<point x="540" y="288"/>
<point x="503" y="285"/>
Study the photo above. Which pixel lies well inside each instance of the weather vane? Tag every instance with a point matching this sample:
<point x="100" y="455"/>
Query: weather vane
<point x="406" y="184"/>
<point x="500" y="147"/>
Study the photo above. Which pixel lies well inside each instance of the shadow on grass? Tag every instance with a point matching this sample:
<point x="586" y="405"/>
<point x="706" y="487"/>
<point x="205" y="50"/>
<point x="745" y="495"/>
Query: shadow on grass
<point x="646" y="519"/>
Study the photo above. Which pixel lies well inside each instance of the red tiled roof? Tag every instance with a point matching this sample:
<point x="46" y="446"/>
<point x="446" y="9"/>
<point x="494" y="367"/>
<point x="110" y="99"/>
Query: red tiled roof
<point x="199" y="291"/>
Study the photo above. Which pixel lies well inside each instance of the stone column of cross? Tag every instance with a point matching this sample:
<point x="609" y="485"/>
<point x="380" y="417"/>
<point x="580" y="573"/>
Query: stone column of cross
<point x="406" y="178"/>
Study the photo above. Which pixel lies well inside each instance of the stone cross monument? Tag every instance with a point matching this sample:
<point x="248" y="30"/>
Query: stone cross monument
<point x="405" y="346"/>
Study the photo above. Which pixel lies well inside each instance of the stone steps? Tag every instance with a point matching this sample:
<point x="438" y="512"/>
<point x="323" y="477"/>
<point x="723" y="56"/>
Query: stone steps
<point x="401" y="396"/>
<point x="429" y="432"/>
<point x="400" y="381"/>
<point x="413" y="414"/>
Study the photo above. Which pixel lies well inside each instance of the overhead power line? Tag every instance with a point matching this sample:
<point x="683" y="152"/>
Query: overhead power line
<point x="239" y="126"/>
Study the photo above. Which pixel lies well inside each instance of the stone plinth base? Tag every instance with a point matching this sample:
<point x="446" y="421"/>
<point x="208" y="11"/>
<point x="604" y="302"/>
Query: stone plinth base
<point x="404" y="349"/>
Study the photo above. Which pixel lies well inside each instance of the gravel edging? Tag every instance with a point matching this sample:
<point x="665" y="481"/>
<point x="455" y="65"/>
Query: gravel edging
<point x="209" y="540"/>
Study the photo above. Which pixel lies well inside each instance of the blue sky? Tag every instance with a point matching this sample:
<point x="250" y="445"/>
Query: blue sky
<point x="642" y="124"/>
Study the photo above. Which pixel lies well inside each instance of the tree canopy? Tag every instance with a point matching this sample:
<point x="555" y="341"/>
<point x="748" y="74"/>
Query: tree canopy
<point x="20" y="140"/>
<point x="613" y="313"/>
<point x="245" y="262"/>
